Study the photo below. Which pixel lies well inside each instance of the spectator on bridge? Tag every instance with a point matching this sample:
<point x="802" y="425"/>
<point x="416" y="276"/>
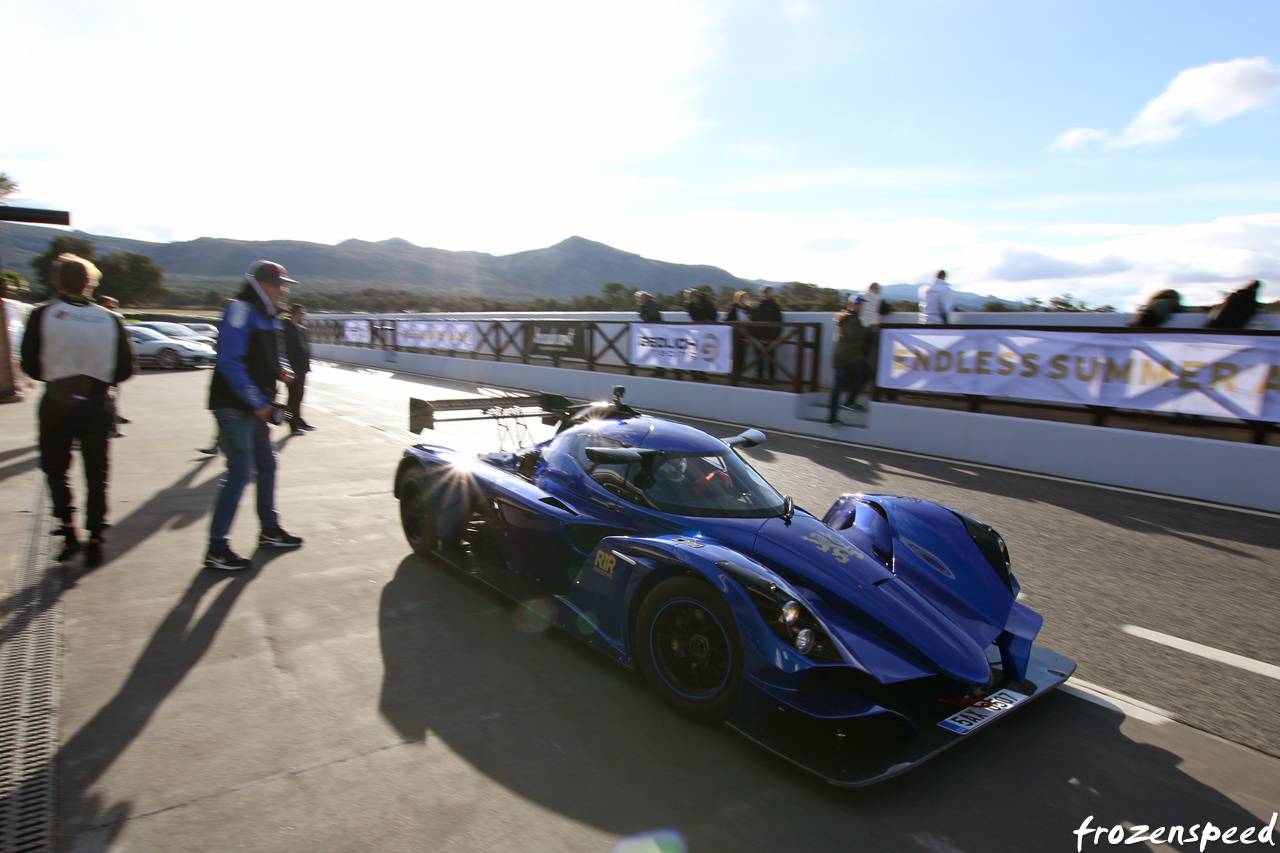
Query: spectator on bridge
<point x="936" y="304"/>
<point x="871" y="311"/>
<point x="849" y="358"/>
<point x="767" y="311"/>
<point x="647" y="308"/>
<point x="1158" y="310"/>
<point x="81" y="352"/>
<point x="871" y="307"/>
<point x="1237" y="309"/>
<point x="251" y="360"/>
<point x="298" y="349"/>
<point x="739" y="312"/>
<point x="699" y="307"/>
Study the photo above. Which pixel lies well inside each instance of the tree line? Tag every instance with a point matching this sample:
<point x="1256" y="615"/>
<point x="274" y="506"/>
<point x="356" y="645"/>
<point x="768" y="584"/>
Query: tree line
<point x="136" y="281"/>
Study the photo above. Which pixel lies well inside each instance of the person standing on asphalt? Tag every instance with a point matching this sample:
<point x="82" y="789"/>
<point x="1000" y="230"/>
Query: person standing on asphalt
<point x="850" y="361"/>
<point x="298" y="348"/>
<point x="767" y="311"/>
<point x="81" y="352"/>
<point x="251" y="359"/>
<point x="935" y="302"/>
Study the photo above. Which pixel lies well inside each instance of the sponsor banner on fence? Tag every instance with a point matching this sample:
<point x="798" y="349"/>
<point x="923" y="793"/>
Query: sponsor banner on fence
<point x="563" y="340"/>
<point x="708" y="349"/>
<point x="356" y="331"/>
<point x="1235" y="376"/>
<point x="425" y="335"/>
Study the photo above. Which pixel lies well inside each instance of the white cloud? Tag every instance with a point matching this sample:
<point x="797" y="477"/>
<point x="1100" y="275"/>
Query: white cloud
<point x="1080" y="137"/>
<point x="422" y="120"/>
<point x="1207" y="94"/>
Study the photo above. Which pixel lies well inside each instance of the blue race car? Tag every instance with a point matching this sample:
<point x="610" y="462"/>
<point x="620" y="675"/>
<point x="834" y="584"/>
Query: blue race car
<point x="857" y="645"/>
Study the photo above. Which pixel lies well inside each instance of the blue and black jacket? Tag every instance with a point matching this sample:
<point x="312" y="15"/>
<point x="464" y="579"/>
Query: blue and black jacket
<point x="250" y="353"/>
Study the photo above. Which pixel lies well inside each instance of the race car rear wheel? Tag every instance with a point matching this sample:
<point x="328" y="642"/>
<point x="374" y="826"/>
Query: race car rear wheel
<point x="418" y="511"/>
<point x="687" y="645"/>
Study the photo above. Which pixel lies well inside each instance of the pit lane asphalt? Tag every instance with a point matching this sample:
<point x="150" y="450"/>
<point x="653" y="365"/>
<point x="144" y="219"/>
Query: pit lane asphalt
<point x="350" y="696"/>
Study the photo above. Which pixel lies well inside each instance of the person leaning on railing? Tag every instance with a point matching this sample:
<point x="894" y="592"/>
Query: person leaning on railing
<point x="1237" y="309"/>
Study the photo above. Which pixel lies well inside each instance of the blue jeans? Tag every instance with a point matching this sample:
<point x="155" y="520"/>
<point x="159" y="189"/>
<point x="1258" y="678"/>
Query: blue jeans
<point x="246" y="442"/>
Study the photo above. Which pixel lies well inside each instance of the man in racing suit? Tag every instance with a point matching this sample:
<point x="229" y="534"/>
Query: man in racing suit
<point x="251" y="359"/>
<point x="80" y="351"/>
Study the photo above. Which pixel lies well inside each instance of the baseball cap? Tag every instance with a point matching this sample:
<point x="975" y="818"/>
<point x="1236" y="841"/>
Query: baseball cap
<point x="270" y="272"/>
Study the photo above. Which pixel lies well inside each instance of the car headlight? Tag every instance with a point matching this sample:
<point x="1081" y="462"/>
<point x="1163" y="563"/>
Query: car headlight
<point x="790" y="612"/>
<point x="791" y="621"/>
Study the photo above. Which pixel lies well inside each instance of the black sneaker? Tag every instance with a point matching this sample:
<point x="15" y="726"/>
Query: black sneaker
<point x="93" y="553"/>
<point x="225" y="558"/>
<point x="278" y="539"/>
<point x="70" y="544"/>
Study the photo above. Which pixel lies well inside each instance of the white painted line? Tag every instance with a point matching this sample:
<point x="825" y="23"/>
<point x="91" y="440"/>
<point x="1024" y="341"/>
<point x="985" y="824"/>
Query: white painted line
<point x="1268" y="669"/>
<point x="1127" y="705"/>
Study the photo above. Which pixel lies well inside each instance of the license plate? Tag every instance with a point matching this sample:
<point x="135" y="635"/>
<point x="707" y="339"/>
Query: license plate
<point x="982" y="711"/>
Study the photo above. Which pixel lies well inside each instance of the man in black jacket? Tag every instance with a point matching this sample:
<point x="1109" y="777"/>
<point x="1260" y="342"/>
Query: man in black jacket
<point x="1237" y="310"/>
<point x="251" y="359"/>
<point x="81" y="352"/>
<point x="767" y="310"/>
<point x="298" y="348"/>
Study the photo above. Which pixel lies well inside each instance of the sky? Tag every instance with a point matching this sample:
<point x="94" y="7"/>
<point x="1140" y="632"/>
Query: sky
<point x="1104" y="149"/>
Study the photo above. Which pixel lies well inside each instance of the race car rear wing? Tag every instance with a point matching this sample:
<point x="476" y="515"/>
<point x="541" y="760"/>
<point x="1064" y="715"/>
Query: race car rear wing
<point x="554" y="409"/>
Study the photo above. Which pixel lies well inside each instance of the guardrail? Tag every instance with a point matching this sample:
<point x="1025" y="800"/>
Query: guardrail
<point x="785" y="355"/>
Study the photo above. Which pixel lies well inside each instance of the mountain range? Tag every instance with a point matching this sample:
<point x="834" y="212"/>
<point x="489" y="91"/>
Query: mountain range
<point x="573" y="267"/>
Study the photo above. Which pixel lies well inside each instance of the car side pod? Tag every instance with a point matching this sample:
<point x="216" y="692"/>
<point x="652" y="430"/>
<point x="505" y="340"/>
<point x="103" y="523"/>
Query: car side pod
<point x="863" y="742"/>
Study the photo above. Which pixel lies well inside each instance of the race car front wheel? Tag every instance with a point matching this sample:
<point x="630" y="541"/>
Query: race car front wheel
<point x="418" y="511"/>
<point x="687" y="646"/>
<point x="168" y="359"/>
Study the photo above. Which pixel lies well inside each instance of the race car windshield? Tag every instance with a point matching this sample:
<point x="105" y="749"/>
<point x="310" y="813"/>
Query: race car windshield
<point x="715" y="485"/>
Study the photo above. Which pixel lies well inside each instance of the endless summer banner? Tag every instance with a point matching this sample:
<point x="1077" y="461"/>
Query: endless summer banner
<point x="708" y="349"/>
<point x="424" y="335"/>
<point x="1234" y="376"/>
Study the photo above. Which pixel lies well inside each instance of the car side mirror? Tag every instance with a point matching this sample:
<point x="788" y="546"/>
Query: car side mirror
<point x="748" y="438"/>
<point x="614" y="455"/>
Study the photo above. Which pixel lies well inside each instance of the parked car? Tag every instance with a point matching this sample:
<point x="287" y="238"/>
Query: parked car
<point x="856" y="645"/>
<point x="177" y="330"/>
<point x="206" y="329"/>
<point x="169" y="353"/>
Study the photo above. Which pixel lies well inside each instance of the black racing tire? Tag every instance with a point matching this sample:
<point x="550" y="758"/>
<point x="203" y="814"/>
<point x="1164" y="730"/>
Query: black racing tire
<point x="686" y="643"/>
<point x="168" y="359"/>
<point x="418" y="511"/>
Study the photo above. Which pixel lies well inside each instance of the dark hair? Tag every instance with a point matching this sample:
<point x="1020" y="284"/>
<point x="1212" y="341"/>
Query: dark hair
<point x="298" y="308"/>
<point x="73" y="274"/>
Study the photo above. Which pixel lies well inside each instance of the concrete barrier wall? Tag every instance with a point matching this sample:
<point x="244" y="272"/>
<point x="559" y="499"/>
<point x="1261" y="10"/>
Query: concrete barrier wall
<point x="1225" y="472"/>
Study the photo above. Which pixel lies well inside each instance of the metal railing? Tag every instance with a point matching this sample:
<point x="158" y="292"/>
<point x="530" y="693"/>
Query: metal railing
<point x="786" y="356"/>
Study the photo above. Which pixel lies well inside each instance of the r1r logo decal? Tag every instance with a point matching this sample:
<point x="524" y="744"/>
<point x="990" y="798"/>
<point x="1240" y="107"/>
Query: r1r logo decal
<point x="604" y="563"/>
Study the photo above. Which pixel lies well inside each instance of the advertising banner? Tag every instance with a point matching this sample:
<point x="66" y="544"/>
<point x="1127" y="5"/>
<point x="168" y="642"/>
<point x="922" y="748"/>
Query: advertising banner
<point x="561" y="340"/>
<point x="1233" y="376"/>
<point x="708" y="349"/>
<point x="356" y="331"/>
<point x="427" y="335"/>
